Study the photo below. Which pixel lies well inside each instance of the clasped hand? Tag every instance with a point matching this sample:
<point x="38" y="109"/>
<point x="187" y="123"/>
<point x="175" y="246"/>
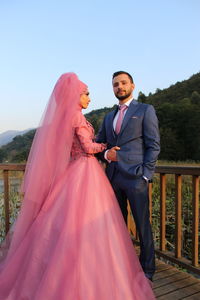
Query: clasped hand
<point x="112" y="153"/>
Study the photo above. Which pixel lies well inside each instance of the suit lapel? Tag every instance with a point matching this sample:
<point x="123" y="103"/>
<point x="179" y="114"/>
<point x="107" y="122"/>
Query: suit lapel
<point x="131" y="110"/>
<point x="112" y="116"/>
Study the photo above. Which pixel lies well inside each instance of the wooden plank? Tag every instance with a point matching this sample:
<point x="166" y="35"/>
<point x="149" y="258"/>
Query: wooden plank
<point x="195" y="296"/>
<point x="130" y="222"/>
<point x="160" y="265"/>
<point x="178" y="216"/>
<point x="195" y="221"/>
<point x="175" y="286"/>
<point x="181" y="293"/>
<point x="164" y="274"/>
<point x="178" y="170"/>
<point x="12" y="167"/>
<point x="182" y="262"/>
<point x="174" y="277"/>
<point x="169" y="284"/>
<point x="159" y="169"/>
<point x="165" y="267"/>
<point x="162" y="212"/>
<point x="150" y="200"/>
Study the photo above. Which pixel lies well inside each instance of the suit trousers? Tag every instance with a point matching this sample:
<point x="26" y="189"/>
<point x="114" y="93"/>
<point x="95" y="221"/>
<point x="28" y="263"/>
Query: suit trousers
<point x="136" y="191"/>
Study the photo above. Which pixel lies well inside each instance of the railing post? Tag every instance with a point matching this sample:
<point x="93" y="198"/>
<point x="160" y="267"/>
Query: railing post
<point x="6" y="199"/>
<point x="162" y="212"/>
<point x="178" y="216"/>
<point x="195" y="220"/>
<point x="150" y="201"/>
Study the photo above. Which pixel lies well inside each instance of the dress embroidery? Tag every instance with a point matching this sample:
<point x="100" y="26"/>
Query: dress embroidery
<point x="83" y="142"/>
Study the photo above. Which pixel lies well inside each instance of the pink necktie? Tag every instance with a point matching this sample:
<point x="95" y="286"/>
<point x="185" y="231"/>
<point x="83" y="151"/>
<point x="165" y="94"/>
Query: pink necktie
<point x="120" y="118"/>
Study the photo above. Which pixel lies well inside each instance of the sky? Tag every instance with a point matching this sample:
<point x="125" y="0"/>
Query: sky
<point x="156" y="41"/>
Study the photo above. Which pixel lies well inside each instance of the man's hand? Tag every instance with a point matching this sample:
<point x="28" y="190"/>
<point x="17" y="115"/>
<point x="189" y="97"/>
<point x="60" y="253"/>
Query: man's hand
<point x="112" y="153"/>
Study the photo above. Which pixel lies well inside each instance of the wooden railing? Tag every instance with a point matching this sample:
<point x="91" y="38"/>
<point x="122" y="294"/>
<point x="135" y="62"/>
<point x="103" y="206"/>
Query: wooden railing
<point x="178" y="172"/>
<point x="162" y="172"/>
<point x="176" y="256"/>
<point x="6" y="168"/>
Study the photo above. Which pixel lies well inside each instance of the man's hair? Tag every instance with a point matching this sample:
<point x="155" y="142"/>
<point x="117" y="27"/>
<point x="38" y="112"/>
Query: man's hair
<point x="123" y="72"/>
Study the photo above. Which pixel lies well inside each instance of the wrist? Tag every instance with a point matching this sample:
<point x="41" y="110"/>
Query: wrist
<point x="106" y="156"/>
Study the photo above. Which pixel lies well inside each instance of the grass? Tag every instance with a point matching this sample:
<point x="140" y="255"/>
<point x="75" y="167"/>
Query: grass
<point x="14" y="207"/>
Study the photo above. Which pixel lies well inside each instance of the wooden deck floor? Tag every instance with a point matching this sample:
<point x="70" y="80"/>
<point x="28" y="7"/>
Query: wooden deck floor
<point x="172" y="284"/>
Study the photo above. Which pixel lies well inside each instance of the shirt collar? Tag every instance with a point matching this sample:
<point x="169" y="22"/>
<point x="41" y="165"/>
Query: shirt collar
<point x="128" y="102"/>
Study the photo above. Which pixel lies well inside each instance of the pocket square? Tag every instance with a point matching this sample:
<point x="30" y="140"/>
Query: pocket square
<point x="134" y="117"/>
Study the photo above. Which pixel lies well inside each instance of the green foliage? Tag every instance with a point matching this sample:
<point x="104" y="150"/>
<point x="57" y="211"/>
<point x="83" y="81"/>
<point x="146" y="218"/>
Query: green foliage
<point x="178" y="111"/>
<point x="17" y="150"/>
<point x="179" y="130"/>
<point x="96" y="117"/>
<point x="177" y="92"/>
<point x="142" y="98"/>
<point x="14" y="207"/>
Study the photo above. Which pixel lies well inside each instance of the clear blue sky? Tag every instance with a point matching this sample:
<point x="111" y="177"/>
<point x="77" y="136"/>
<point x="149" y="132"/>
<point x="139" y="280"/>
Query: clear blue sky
<point x="156" y="41"/>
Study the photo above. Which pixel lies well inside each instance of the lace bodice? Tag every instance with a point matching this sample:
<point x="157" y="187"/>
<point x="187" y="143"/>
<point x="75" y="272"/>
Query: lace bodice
<point x="83" y="142"/>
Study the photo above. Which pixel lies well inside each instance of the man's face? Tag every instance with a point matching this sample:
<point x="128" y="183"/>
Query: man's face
<point x="123" y="87"/>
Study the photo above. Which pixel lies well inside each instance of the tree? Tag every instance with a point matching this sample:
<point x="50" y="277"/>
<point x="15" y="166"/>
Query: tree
<point x="195" y="98"/>
<point x="142" y="97"/>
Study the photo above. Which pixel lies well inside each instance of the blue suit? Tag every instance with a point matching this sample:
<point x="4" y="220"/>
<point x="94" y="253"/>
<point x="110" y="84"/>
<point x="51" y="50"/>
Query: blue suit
<point x="139" y="148"/>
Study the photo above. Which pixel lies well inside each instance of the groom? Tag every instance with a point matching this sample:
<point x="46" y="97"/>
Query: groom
<point x="132" y="136"/>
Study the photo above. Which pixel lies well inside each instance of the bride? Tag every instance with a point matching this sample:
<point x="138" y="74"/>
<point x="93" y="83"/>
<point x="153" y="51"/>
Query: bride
<point x="69" y="241"/>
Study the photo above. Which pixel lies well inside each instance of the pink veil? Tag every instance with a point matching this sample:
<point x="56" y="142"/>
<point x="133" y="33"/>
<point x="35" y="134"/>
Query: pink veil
<point x="49" y="155"/>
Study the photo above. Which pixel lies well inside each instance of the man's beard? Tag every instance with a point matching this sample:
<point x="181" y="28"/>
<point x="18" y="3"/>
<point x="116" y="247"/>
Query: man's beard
<point x="124" y="96"/>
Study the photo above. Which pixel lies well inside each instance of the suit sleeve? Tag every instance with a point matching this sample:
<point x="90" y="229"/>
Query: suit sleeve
<point x="151" y="141"/>
<point x="101" y="138"/>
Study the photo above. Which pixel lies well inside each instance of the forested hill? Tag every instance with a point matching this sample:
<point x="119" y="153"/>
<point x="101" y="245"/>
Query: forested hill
<point x="185" y="91"/>
<point x="18" y="149"/>
<point x="178" y="111"/>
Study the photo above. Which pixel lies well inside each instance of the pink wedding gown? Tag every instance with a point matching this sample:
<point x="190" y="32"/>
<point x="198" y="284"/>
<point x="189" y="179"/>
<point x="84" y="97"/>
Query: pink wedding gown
<point x="78" y="247"/>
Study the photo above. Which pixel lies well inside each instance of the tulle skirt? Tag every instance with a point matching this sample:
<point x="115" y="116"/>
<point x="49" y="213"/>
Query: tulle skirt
<point x="78" y="247"/>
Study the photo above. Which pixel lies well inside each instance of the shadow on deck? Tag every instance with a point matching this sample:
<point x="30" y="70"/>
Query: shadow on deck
<point x="172" y="284"/>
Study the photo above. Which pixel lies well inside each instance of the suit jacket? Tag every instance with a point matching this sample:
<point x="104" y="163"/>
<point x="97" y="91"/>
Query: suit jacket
<point x="138" y="140"/>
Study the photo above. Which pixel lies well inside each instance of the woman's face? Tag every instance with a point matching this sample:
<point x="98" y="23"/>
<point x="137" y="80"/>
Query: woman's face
<point x="84" y="100"/>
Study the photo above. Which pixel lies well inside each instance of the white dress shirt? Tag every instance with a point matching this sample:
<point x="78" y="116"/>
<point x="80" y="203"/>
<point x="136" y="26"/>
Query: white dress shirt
<point x="117" y="114"/>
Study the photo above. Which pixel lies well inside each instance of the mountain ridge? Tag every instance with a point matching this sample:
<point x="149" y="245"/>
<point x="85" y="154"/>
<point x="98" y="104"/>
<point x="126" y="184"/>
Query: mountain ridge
<point x="8" y="135"/>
